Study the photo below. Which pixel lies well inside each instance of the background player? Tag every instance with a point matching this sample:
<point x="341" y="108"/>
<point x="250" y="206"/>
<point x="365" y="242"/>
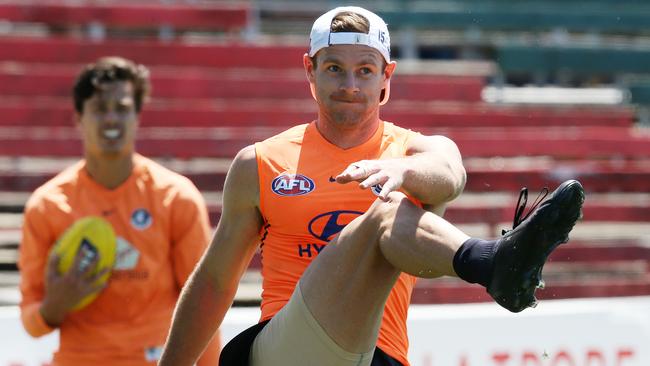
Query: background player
<point x="159" y="217"/>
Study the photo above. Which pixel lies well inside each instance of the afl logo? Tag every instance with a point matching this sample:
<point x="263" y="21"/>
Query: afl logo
<point x="141" y="219"/>
<point x="292" y="185"/>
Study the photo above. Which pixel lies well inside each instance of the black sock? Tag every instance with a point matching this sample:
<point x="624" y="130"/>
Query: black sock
<point x="473" y="261"/>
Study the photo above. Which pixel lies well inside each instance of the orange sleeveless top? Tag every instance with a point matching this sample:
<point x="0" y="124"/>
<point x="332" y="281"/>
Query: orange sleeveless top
<point x="303" y="210"/>
<point x="162" y="229"/>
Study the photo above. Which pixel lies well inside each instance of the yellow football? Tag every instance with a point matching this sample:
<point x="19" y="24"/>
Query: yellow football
<point x="93" y="236"/>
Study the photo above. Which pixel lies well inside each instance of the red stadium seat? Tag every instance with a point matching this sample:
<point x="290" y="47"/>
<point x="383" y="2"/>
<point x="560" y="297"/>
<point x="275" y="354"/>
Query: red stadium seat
<point x="20" y="79"/>
<point x="439" y="293"/>
<point x="53" y="50"/>
<point x="495" y="216"/>
<point x="579" y="143"/>
<point x="630" y="177"/>
<point x="128" y="14"/>
<point x="579" y="269"/>
<point x="605" y="269"/>
<point x="43" y="111"/>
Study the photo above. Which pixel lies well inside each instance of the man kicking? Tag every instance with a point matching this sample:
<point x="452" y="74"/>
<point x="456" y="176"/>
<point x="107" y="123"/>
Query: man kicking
<point x="339" y="260"/>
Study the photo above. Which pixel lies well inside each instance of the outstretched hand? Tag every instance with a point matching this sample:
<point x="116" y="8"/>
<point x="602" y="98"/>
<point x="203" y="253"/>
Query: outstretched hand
<point x="389" y="174"/>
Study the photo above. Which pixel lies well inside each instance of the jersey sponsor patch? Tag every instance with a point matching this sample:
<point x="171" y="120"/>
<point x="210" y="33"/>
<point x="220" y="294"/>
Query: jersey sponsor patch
<point x="292" y="185"/>
<point x="127" y="255"/>
<point x="327" y="225"/>
<point x="141" y="219"/>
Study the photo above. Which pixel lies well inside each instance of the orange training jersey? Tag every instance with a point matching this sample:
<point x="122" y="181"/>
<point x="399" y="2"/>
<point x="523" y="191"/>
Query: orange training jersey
<point x="162" y="229"/>
<point x="303" y="210"/>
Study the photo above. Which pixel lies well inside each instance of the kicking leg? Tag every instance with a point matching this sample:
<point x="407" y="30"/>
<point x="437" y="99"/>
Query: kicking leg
<point x="347" y="285"/>
<point x="335" y="312"/>
<point x="345" y="289"/>
<point x="362" y="264"/>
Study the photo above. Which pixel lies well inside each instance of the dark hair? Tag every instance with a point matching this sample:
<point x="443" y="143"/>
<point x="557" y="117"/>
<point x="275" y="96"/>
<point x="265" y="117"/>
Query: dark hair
<point x="347" y="21"/>
<point x="111" y="69"/>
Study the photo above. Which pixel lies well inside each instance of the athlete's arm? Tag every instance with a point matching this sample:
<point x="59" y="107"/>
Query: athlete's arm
<point x="47" y="296"/>
<point x="210" y="290"/>
<point x="190" y="234"/>
<point x="432" y="172"/>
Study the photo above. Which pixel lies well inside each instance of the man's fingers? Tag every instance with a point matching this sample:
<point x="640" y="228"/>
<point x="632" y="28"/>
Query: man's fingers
<point x="53" y="265"/>
<point x="350" y="174"/>
<point x="355" y="172"/>
<point x="373" y="180"/>
<point x="87" y="265"/>
<point x="390" y="186"/>
<point x="97" y="287"/>
<point x="76" y="264"/>
<point x="99" y="274"/>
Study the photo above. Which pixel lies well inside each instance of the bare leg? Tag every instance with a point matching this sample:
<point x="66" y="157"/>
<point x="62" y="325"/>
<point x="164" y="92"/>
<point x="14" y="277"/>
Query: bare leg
<point x="347" y="285"/>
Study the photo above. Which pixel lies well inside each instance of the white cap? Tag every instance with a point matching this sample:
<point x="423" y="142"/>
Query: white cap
<point x="377" y="37"/>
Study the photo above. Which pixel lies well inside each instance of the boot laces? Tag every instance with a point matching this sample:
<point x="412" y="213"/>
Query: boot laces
<point x="521" y="206"/>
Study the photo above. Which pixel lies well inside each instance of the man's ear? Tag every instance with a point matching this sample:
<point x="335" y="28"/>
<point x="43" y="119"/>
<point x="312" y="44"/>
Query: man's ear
<point x="389" y="70"/>
<point x="388" y="74"/>
<point x="308" y="64"/>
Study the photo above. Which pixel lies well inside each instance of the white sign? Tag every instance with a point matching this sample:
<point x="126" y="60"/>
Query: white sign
<point x="584" y="332"/>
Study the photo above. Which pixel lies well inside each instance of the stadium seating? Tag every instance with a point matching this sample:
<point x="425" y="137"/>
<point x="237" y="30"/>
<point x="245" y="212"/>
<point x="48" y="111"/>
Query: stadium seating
<point x="580" y="60"/>
<point x="578" y="15"/>
<point x="600" y="269"/>
<point x="224" y="142"/>
<point x="523" y="15"/>
<point x="129" y="15"/>
<point x="613" y="176"/>
<point x="55" y="112"/>
<point x="64" y="50"/>
<point x="26" y="79"/>
<point x="640" y="93"/>
<point x="494" y="217"/>
<point x="213" y="96"/>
